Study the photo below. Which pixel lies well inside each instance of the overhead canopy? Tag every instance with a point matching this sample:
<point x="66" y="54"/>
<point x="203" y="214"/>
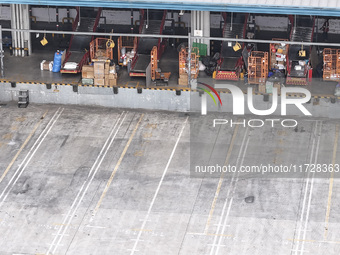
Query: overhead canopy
<point x="299" y="7"/>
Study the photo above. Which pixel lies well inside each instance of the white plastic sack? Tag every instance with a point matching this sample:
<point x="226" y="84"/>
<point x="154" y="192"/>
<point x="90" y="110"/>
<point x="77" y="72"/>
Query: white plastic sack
<point x="201" y="67"/>
<point x="337" y="92"/>
<point x="50" y="66"/>
<point x="70" y="65"/>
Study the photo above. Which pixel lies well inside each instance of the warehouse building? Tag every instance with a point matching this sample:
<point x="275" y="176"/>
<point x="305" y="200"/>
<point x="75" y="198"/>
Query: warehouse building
<point x="177" y="127"/>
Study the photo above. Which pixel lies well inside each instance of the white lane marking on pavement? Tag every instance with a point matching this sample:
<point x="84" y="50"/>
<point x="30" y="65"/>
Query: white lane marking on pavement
<point x="306" y="193"/>
<point x="21" y="168"/>
<point x="81" y="193"/>
<point x="232" y="197"/>
<point x="311" y="188"/>
<point x="231" y="188"/>
<point x="159" y="186"/>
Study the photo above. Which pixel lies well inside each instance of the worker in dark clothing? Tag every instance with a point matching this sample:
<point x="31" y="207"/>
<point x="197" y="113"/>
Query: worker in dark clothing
<point x="325" y="29"/>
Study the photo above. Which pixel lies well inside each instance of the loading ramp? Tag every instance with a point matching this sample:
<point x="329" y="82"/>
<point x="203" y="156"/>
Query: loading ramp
<point x="78" y="51"/>
<point x="152" y="25"/>
<point x="230" y="63"/>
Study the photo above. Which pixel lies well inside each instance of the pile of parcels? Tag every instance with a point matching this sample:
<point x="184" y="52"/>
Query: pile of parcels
<point x="100" y="73"/>
<point x="278" y="56"/>
<point x="126" y="57"/>
<point x="46" y="65"/>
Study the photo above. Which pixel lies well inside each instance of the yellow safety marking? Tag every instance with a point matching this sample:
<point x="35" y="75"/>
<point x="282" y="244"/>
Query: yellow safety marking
<point x="331" y="181"/>
<point x="118" y="164"/>
<point x="147" y="135"/>
<point x="7" y="136"/>
<point x="150" y="125"/>
<point x="20" y="119"/>
<point x="139" y="153"/>
<point x="22" y="147"/>
<point x="220" y="181"/>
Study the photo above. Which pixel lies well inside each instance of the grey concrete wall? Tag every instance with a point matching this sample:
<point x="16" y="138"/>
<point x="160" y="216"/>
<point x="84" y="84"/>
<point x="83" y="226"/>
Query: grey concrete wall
<point x="126" y="98"/>
<point x="153" y="100"/>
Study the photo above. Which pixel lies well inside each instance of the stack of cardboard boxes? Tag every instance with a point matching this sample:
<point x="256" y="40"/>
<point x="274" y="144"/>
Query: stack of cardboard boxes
<point x="183" y="79"/>
<point x="87" y="75"/>
<point x="100" y="74"/>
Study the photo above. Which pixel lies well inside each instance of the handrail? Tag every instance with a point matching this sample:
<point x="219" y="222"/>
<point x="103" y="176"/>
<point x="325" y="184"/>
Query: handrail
<point x="34" y="18"/>
<point x="74" y="27"/>
<point x="245" y="27"/>
<point x="180" y="23"/>
<point x="224" y="15"/>
<point x="312" y="37"/>
<point x="83" y="61"/>
<point x="76" y="21"/>
<point x="67" y="18"/>
<point x="97" y="21"/>
<point x="291" y="19"/>
<point x="160" y="50"/>
<point x="141" y="24"/>
<point x="163" y="22"/>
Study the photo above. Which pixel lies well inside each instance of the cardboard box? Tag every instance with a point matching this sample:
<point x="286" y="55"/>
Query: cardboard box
<point x="99" y="74"/>
<point x="87" y="68"/>
<point x="87" y="74"/>
<point x="278" y="86"/>
<point x="99" y="82"/>
<point x="46" y="65"/>
<point x="262" y="88"/>
<point x="183" y="82"/>
<point x="112" y="76"/>
<point x="107" y="82"/>
<point x="107" y="67"/>
<point x="112" y="82"/>
<point x="98" y="66"/>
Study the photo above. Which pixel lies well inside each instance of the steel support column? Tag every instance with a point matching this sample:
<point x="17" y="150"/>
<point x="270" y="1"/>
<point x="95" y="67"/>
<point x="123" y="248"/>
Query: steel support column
<point x="20" y="19"/>
<point x="200" y="20"/>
